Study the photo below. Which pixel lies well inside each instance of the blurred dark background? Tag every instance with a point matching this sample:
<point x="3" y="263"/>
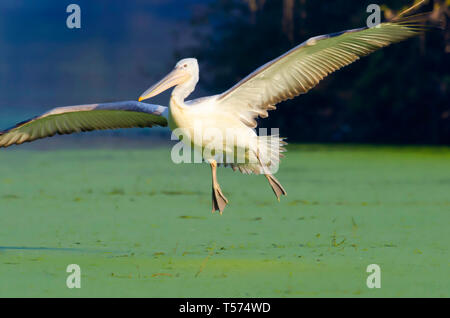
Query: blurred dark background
<point x="398" y="95"/>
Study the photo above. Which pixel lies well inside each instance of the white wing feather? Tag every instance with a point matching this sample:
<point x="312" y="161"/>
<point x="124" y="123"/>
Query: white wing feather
<point x="301" y="68"/>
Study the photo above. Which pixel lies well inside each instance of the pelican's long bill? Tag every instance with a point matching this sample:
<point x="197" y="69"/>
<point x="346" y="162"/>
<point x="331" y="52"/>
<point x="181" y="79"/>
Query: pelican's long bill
<point x="177" y="76"/>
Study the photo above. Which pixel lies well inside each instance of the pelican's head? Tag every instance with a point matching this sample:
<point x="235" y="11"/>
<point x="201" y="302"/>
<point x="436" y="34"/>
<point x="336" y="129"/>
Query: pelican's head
<point x="185" y="74"/>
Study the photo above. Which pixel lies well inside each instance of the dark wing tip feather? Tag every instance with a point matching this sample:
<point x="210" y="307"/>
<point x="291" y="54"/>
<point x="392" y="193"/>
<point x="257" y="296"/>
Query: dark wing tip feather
<point x="18" y="125"/>
<point x="420" y="22"/>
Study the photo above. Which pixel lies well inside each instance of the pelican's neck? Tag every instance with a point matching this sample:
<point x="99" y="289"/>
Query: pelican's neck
<point x="182" y="91"/>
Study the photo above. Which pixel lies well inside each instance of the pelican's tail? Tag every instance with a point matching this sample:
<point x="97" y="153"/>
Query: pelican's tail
<point x="270" y="151"/>
<point x="264" y="158"/>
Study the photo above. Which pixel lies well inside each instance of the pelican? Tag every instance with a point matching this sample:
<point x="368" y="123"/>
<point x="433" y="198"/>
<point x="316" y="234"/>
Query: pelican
<point x="232" y="113"/>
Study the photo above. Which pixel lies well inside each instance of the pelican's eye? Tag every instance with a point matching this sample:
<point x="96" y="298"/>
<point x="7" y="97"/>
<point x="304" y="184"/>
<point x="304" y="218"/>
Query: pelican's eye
<point x="185" y="65"/>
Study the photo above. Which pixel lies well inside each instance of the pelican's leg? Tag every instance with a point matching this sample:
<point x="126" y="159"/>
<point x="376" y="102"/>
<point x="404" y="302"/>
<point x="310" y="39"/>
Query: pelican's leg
<point x="219" y="201"/>
<point x="274" y="183"/>
<point x="276" y="186"/>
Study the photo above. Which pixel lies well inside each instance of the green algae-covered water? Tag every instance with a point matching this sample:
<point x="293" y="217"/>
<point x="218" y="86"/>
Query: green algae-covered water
<point x="139" y="225"/>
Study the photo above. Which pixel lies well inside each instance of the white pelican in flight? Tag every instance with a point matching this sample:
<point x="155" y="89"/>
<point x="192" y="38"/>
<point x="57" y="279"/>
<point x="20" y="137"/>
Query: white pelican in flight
<point x="233" y="112"/>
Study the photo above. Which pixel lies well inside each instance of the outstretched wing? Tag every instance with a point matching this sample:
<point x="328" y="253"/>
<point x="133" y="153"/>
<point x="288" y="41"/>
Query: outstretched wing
<point x="300" y="69"/>
<point x="74" y="119"/>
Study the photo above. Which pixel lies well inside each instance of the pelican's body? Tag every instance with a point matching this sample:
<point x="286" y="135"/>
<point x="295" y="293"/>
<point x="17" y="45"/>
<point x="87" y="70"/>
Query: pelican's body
<point x="202" y="116"/>
<point x="222" y="126"/>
